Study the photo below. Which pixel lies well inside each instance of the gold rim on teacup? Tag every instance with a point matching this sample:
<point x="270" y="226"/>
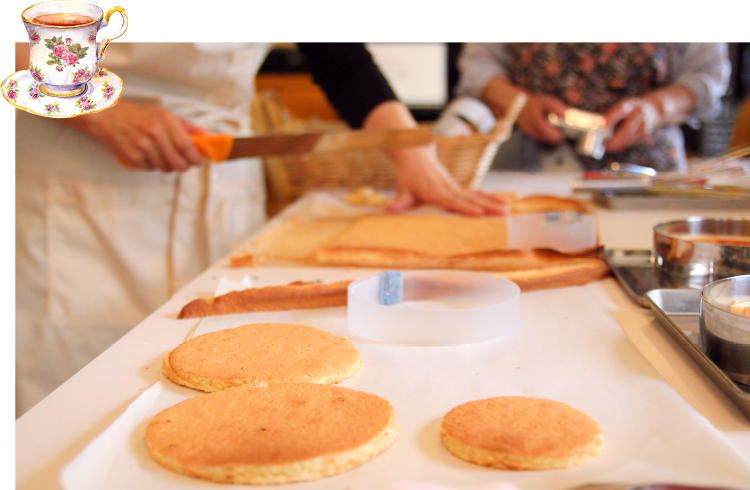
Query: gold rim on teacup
<point x="31" y="21"/>
<point x="43" y="89"/>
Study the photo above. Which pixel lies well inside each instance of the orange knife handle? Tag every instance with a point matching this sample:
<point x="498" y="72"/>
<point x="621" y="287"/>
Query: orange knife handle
<point x="216" y="147"/>
<point x="127" y="165"/>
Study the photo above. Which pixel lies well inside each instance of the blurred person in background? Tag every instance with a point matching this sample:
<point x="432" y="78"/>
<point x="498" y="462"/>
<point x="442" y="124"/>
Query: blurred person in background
<point x="116" y="211"/>
<point x="645" y="91"/>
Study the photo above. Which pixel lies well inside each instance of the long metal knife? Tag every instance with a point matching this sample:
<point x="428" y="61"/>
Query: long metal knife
<point x="220" y="147"/>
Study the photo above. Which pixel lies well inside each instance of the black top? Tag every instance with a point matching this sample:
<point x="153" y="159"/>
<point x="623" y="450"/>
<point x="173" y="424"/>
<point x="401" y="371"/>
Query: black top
<point x="349" y="76"/>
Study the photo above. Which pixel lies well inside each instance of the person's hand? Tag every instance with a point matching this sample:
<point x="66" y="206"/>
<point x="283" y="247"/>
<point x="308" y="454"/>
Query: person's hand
<point x="634" y="120"/>
<point x="532" y="120"/>
<point x="500" y="95"/>
<point x="143" y="136"/>
<point x="420" y="178"/>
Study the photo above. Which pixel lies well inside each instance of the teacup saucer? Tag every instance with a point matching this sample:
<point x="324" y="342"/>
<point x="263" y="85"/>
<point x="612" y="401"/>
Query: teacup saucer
<point x="101" y="92"/>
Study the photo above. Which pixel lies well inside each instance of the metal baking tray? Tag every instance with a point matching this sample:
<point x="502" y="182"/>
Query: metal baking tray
<point x="678" y="311"/>
<point x="635" y="271"/>
<point x="646" y="201"/>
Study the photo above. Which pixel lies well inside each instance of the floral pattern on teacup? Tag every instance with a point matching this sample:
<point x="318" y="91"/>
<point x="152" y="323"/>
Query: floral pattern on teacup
<point x="34" y="92"/>
<point x="108" y="91"/>
<point x="92" y="37"/>
<point x="85" y="104"/>
<point x="52" y="108"/>
<point x="11" y="89"/>
<point x="101" y="73"/>
<point x="34" y="37"/>
<point x="64" y="53"/>
<point x="83" y="73"/>
<point x="36" y="73"/>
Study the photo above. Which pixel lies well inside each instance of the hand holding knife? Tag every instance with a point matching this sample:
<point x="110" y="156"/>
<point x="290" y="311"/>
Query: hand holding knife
<point x="221" y="147"/>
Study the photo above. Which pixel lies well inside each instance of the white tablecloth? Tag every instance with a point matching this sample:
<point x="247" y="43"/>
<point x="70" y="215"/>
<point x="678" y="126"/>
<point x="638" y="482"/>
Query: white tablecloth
<point x="661" y="417"/>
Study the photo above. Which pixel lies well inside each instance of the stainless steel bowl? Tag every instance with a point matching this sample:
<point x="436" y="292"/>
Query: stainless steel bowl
<point x="725" y="336"/>
<point x="684" y="249"/>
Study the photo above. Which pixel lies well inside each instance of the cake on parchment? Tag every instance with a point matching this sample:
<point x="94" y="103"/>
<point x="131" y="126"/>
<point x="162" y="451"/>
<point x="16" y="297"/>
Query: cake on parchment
<point x="262" y="354"/>
<point x="521" y="433"/>
<point x="279" y="434"/>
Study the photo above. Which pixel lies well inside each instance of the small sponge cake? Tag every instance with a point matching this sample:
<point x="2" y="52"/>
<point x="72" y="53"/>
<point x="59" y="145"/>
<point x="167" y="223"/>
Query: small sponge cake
<point x="741" y="308"/>
<point x="279" y="434"/>
<point x="519" y="433"/>
<point x="262" y="354"/>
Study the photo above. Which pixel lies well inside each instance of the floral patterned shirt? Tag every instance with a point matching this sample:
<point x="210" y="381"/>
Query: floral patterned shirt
<point x="594" y="76"/>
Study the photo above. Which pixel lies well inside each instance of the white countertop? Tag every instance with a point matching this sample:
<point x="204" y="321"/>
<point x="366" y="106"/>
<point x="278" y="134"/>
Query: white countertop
<point x="634" y="230"/>
<point x="55" y="431"/>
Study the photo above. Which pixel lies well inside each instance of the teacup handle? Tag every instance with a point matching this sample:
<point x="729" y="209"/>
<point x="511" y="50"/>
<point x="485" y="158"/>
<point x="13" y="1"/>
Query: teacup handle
<point x="104" y="42"/>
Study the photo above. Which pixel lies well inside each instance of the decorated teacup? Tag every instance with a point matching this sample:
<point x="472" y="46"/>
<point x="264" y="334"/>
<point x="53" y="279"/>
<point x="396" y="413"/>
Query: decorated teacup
<point x="62" y="38"/>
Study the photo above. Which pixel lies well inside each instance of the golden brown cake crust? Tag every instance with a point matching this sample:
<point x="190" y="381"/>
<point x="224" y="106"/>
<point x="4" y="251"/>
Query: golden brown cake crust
<point x="277" y="434"/>
<point x="242" y="260"/>
<point x="423" y="236"/>
<point x="562" y="274"/>
<point x="446" y="241"/>
<point x="521" y="433"/>
<point x="294" y="296"/>
<point x="262" y="354"/>
<point x="432" y="242"/>
<point x="542" y="203"/>
<point x="496" y="260"/>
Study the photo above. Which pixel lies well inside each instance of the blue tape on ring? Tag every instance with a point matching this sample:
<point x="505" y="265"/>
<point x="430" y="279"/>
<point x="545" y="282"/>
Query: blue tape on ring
<point x="391" y="288"/>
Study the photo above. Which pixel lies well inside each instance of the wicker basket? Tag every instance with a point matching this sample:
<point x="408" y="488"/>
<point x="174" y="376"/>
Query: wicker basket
<point x="467" y="158"/>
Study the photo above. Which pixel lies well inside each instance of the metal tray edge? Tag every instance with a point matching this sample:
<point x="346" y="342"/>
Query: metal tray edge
<point x="614" y="266"/>
<point x="737" y="396"/>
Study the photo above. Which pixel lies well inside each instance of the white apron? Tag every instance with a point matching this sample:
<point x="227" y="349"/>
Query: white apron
<point x="99" y="247"/>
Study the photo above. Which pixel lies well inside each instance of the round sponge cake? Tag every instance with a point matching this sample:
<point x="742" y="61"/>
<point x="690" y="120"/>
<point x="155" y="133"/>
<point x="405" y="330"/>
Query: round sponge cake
<point x="277" y="434"/>
<point x="520" y="433"/>
<point x="262" y="354"/>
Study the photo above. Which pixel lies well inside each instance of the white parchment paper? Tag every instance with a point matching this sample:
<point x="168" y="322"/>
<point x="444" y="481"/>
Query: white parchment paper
<point x="567" y="349"/>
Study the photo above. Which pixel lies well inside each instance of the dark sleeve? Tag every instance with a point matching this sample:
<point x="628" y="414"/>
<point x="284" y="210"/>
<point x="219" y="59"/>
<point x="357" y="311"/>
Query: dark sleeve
<point x="349" y="76"/>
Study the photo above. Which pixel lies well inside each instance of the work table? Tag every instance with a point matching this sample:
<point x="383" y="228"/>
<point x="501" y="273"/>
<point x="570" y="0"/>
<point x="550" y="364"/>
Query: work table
<point x="54" y="432"/>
